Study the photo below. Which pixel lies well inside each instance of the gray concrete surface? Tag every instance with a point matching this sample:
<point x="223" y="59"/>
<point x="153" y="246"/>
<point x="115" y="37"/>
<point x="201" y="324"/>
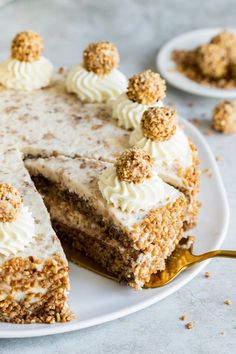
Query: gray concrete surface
<point x="139" y="28"/>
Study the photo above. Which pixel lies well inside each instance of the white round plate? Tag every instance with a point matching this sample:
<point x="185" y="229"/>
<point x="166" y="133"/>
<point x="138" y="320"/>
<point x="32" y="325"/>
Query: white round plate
<point x="167" y="69"/>
<point x="96" y="300"/>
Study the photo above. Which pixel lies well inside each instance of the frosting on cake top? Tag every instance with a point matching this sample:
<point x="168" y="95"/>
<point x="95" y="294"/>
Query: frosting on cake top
<point x="97" y="79"/>
<point x="160" y="137"/>
<point x="26" y="69"/>
<point x="145" y="89"/>
<point x="130" y="184"/>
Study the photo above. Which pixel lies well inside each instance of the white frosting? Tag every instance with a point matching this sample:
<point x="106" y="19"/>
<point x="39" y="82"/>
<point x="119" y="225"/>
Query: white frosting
<point x="91" y="87"/>
<point x="129" y="113"/>
<point x="176" y="150"/>
<point x="26" y="76"/>
<point x="14" y="236"/>
<point x="130" y="197"/>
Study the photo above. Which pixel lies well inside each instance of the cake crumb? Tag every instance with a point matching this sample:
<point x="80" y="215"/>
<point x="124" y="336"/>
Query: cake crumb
<point x="228" y="302"/>
<point x="171" y="104"/>
<point x="61" y="70"/>
<point x="183" y="318"/>
<point x="190" y="104"/>
<point x="189" y="325"/>
<point x="207" y="274"/>
<point x="196" y="122"/>
<point x="207" y="172"/>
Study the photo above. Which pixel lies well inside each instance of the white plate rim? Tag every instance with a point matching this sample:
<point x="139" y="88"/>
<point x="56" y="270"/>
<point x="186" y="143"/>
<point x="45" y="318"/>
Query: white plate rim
<point x="176" y="285"/>
<point x="180" y="81"/>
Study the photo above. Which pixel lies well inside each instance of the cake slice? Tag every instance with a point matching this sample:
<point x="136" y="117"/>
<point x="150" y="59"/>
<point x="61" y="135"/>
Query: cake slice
<point x="130" y="245"/>
<point x="34" y="281"/>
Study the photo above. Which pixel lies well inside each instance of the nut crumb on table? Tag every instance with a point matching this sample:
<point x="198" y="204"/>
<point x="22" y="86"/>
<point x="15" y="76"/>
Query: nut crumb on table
<point x="207" y="274"/>
<point x="228" y="302"/>
<point x="207" y="172"/>
<point x="189" y="325"/>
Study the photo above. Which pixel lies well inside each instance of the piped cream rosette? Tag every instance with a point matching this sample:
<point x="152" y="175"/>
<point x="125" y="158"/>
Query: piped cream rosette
<point x="26" y="69"/>
<point x="17" y="227"/>
<point x="161" y="137"/>
<point x="97" y="79"/>
<point x="145" y="89"/>
<point x="131" y="184"/>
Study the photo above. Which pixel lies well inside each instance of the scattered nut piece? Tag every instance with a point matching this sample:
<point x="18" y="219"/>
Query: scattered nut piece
<point x="183" y="318"/>
<point x="228" y="302"/>
<point x="61" y="70"/>
<point x="189" y="325"/>
<point x="207" y="172"/>
<point x="207" y="274"/>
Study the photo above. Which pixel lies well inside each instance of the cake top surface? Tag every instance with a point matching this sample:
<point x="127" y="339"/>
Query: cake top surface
<point x="81" y="175"/>
<point x="53" y="122"/>
<point x="45" y="243"/>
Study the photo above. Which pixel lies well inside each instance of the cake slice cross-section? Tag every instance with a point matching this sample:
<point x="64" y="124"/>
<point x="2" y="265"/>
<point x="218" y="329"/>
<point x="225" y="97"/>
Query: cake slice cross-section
<point x="34" y="281"/>
<point x="130" y="244"/>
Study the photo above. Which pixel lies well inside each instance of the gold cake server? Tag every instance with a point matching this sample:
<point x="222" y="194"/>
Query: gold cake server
<point x="181" y="259"/>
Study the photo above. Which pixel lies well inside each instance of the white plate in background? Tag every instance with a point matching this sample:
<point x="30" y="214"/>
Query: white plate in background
<point x="96" y="300"/>
<point x="167" y="69"/>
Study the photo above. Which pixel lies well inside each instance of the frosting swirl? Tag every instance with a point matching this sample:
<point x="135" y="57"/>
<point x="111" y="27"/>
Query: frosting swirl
<point x="130" y="197"/>
<point x="27" y="76"/>
<point x="129" y="113"/>
<point x="14" y="236"/>
<point x="91" y="87"/>
<point x="174" y="150"/>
